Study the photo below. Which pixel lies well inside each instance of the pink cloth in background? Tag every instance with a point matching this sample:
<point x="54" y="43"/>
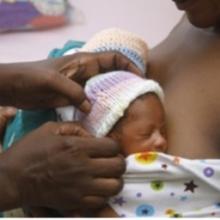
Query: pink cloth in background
<point x="32" y="14"/>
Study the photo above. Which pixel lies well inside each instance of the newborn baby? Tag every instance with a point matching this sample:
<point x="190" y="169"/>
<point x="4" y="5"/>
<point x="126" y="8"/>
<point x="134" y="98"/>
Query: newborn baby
<point x="130" y="110"/>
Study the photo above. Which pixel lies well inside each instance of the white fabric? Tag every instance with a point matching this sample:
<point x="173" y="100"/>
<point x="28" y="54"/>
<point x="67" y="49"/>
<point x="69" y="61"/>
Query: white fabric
<point x="160" y="185"/>
<point x="67" y="113"/>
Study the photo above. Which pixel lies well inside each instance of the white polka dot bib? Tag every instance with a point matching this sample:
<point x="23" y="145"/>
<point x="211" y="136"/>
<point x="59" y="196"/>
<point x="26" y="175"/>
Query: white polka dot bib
<point x="160" y="185"/>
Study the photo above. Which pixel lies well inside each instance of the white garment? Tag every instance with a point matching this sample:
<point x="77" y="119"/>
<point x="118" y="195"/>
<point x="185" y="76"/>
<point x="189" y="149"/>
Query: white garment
<point x="160" y="185"/>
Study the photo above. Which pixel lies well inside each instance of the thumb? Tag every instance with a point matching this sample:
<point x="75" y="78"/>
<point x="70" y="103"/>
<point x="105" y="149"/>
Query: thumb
<point x="72" y="91"/>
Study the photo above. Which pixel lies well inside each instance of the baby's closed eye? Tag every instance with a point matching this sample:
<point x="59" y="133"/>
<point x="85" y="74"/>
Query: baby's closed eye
<point x="147" y="132"/>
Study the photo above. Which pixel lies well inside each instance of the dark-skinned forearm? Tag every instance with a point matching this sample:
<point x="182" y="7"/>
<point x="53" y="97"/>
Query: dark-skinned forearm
<point x="9" y="80"/>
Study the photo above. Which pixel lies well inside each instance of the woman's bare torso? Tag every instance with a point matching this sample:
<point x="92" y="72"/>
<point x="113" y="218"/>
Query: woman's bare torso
<point x="187" y="64"/>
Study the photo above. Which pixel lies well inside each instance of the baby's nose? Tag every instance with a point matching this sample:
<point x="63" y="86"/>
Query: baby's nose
<point x="160" y="143"/>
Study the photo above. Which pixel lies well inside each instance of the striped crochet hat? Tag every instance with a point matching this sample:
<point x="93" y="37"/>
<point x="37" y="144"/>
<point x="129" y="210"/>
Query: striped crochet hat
<point x="114" y="39"/>
<point x="110" y="95"/>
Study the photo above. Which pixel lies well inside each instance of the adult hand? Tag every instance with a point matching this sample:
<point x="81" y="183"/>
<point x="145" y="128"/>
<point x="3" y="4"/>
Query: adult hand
<point x="45" y="84"/>
<point x="86" y="65"/>
<point x="48" y="169"/>
<point x="6" y="113"/>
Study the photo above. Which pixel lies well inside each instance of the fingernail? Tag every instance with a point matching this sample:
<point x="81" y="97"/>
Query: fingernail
<point x="85" y="106"/>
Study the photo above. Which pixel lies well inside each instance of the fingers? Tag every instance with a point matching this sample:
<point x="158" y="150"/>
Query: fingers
<point x="82" y="66"/>
<point x="105" y="187"/>
<point x="79" y="68"/>
<point x="72" y="128"/>
<point x="72" y="91"/>
<point x="93" y="202"/>
<point x="66" y="129"/>
<point x="110" y="167"/>
<point x="104" y="152"/>
<point x="96" y="147"/>
<point x="62" y="62"/>
<point x="116" y="61"/>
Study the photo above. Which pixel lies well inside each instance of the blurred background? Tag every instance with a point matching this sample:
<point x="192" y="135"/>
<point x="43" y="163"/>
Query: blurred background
<point x="152" y="19"/>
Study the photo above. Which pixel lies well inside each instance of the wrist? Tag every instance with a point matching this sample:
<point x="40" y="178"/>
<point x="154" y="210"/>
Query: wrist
<point x="9" y="76"/>
<point x="9" y="193"/>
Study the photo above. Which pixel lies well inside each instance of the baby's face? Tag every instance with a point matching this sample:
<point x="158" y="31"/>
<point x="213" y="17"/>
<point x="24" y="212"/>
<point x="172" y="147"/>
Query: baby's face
<point x="143" y="126"/>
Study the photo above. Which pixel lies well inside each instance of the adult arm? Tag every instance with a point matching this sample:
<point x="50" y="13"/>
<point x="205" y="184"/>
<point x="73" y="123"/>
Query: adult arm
<point x="55" y="82"/>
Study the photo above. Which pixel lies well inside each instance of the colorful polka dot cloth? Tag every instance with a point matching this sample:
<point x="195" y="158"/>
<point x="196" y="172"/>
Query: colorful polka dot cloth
<point x="160" y="185"/>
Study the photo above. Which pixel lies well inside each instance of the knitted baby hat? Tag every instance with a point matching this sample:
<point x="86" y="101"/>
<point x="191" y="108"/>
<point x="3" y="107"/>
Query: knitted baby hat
<point x="114" y="39"/>
<point x="110" y="95"/>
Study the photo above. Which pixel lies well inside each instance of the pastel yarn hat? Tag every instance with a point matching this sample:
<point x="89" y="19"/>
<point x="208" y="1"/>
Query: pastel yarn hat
<point x="114" y="39"/>
<point x="110" y="95"/>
